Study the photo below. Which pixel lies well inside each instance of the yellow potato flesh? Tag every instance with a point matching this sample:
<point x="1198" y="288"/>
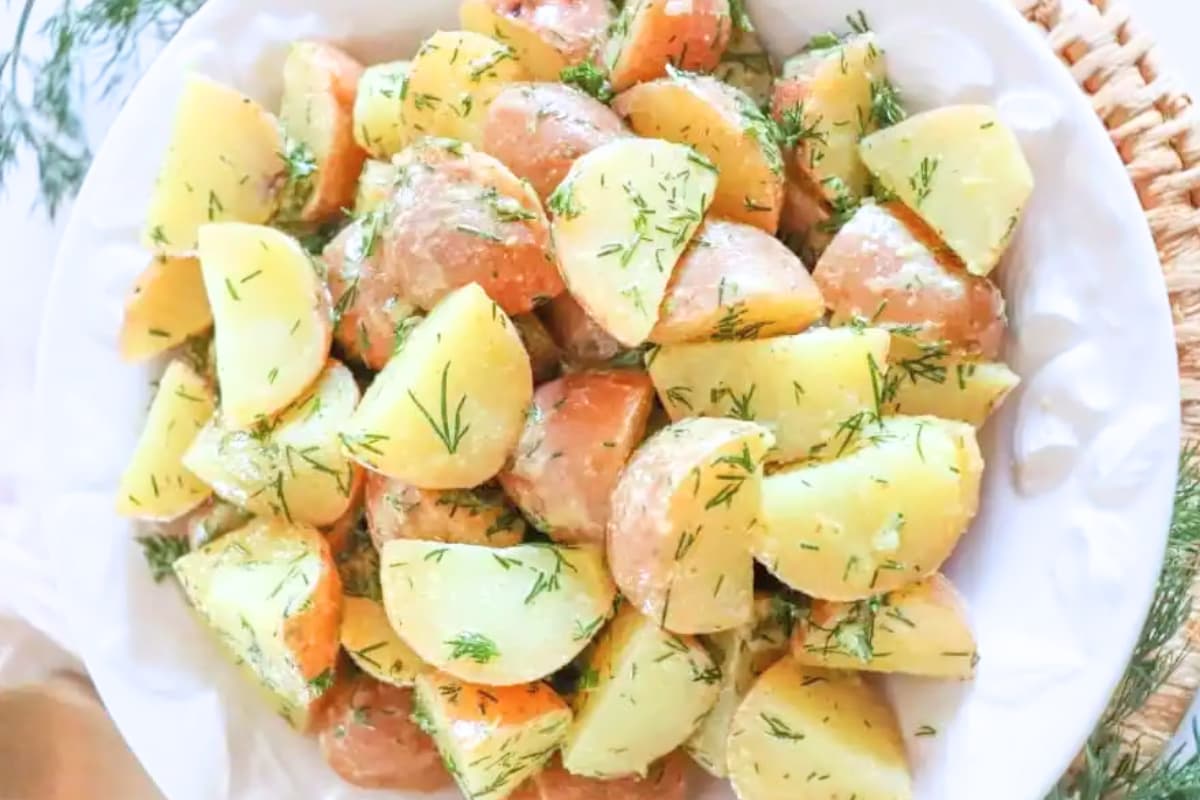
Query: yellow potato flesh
<point x="166" y="306"/>
<point x="375" y="186"/>
<point x="378" y="109"/>
<point x="369" y="640"/>
<point x="969" y="391"/>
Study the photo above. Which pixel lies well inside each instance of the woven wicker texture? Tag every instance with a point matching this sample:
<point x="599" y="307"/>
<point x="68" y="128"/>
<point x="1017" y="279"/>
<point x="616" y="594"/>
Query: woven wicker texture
<point x="1153" y="127"/>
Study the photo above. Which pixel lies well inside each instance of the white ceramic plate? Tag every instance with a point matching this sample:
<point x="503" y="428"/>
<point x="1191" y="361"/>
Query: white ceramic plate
<point x="1058" y="568"/>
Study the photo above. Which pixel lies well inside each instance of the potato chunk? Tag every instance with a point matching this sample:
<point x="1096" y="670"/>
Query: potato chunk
<point x="665" y="780"/>
<point x="920" y="629"/>
<point x="622" y="218"/>
<point x="455" y="605"/>
<point x="320" y="83"/>
<point x="799" y="722"/>
<point x="166" y="305"/>
<point x="271" y="594"/>
<point x="156" y="484"/>
<point x="724" y="125"/>
<point x="396" y="510"/>
<point x="682" y="516"/>
<point x="448" y="409"/>
<point x="883" y="266"/>
<point x="806" y="386"/>
<point x="491" y="737"/>
<point x="578" y="436"/>
<point x="651" y="35"/>
<point x="949" y="388"/>
<point x="378" y="109"/>
<point x="962" y="171"/>
<point x="290" y="466"/>
<point x="224" y="162"/>
<point x="452" y="82"/>
<point x="735" y="282"/>
<point x="370" y="740"/>
<point x="644" y="692"/>
<point x="824" y="100"/>
<point x="263" y="290"/>
<point x="539" y="130"/>
<point x="882" y="516"/>
<point x="369" y="640"/>
<point x="546" y="35"/>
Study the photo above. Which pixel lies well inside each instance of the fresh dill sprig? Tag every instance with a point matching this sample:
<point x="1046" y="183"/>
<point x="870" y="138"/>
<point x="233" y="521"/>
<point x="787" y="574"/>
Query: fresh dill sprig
<point x="161" y="552"/>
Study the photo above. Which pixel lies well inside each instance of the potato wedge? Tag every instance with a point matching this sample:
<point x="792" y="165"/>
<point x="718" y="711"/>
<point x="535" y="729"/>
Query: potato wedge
<point x="882" y="516"/>
<point x="921" y="629"/>
<point x="644" y="692"/>
<point x="448" y="409"/>
<point x="682" y="516"/>
<point x="375" y="186"/>
<point x="452" y="82"/>
<point x="736" y="282"/>
<point x="263" y="289"/>
<point x="924" y="380"/>
<point x="379" y="109"/>
<point x="491" y="737"/>
<point x="291" y="466"/>
<point x="578" y="435"/>
<point x="546" y="35"/>
<point x="156" y="485"/>
<point x="539" y="130"/>
<point x="368" y="638"/>
<point x="805" y="386"/>
<point x="396" y="510"/>
<point x="724" y="125"/>
<point x="369" y="739"/>
<point x="649" y="36"/>
<point x="746" y="64"/>
<point x="665" y="780"/>
<point x="455" y="604"/>
<point x="799" y="723"/>
<point x="582" y="340"/>
<point x="962" y="171"/>
<point x="883" y="267"/>
<point x="224" y="162"/>
<point x="544" y="358"/>
<point x="619" y="237"/>
<point x="166" y="306"/>
<point x="271" y="594"/>
<point x="317" y="114"/>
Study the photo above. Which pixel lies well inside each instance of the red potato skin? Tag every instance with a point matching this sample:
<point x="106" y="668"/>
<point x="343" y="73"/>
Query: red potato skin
<point x="396" y="510"/>
<point x="311" y="635"/>
<point x="539" y="129"/>
<point x="573" y="449"/>
<point x="573" y="27"/>
<point x="688" y="35"/>
<point x="580" y="337"/>
<point x="337" y="174"/>
<point x="369" y="739"/>
<point x="666" y="780"/>
<point x="883" y="267"/>
<point x="787" y="93"/>
<point x="366" y="329"/>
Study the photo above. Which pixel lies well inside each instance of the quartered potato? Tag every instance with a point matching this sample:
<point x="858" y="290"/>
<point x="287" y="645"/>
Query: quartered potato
<point x="378" y="109"/>
<point x="921" y="629"/>
<point x="622" y="218"/>
<point x="483" y="515"/>
<point x="812" y="734"/>
<point x="224" y="162"/>
<point x="805" y="387"/>
<point x="271" y="594"/>
<point x="950" y="388"/>
<point x="320" y="83"/>
<point x="724" y="125"/>
<point x="491" y="737"/>
<point x="539" y="129"/>
<point x="447" y="410"/>
<point x="544" y="358"/>
<point x="372" y="644"/>
<point x="736" y="282"/>
<point x="452" y="81"/>
<point x="746" y="65"/>
<point x="643" y="693"/>
<point x="962" y="171"/>
<point x="885" y="514"/>
<point x="456" y="604"/>
<point x="682" y="516"/>
<point x="166" y="305"/>
<point x="264" y="291"/>
<point x="824" y="101"/>
<point x="578" y="435"/>
<point x="582" y="340"/>
<point x="650" y="36"/>
<point x="369" y="738"/>
<point x="375" y="186"/>
<point x="883" y="266"/>
<point x="156" y="485"/>
<point x="546" y="35"/>
<point x="665" y="780"/>
<point x="290" y="466"/>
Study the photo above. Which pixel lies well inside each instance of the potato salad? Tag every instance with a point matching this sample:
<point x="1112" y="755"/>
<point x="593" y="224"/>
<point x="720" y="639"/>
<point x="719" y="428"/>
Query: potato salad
<point x="589" y="393"/>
